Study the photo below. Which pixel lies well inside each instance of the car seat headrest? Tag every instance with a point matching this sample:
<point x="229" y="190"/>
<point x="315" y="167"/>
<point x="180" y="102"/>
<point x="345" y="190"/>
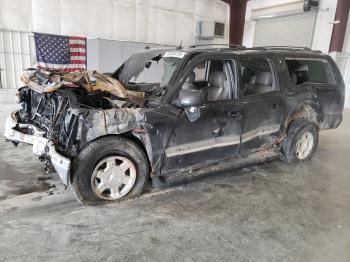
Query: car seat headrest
<point x="217" y="78"/>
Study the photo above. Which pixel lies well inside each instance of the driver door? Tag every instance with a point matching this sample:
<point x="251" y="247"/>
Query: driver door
<point x="215" y="135"/>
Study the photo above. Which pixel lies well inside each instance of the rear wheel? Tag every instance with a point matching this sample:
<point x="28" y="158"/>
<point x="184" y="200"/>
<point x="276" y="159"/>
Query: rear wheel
<point x="301" y="141"/>
<point x="109" y="169"/>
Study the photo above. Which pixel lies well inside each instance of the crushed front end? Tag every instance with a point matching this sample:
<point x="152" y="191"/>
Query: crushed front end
<point x="58" y="122"/>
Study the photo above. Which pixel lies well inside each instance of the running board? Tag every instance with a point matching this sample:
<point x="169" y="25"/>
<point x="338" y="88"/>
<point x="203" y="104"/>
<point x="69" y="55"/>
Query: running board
<point x="234" y="163"/>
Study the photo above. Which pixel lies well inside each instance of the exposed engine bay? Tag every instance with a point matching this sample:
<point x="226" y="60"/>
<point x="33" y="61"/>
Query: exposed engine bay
<point x="74" y="108"/>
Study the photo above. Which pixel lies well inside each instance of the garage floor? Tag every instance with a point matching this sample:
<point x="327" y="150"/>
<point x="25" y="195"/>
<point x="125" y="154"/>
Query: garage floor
<point x="269" y="212"/>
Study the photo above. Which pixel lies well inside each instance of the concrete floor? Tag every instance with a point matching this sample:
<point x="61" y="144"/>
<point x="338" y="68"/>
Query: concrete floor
<point x="269" y="212"/>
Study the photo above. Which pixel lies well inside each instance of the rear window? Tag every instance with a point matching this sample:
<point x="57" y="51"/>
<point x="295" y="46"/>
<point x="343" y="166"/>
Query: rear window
<point x="310" y="71"/>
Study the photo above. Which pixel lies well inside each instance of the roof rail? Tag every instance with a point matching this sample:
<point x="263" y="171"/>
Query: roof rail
<point x="284" y="47"/>
<point x="230" y="45"/>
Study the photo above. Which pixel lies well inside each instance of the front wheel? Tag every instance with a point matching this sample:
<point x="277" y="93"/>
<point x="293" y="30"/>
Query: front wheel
<point x="301" y="141"/>
<point x="109" y="169"/>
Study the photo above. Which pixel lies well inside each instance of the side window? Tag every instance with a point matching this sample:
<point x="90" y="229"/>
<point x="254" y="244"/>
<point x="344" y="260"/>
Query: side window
<point x="256" y="77"/>
<point x="313" y="71"/>
<point x="200" y="71"/>
<point x="213" y="78"/>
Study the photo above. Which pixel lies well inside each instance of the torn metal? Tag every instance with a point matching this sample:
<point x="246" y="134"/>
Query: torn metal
<point x="44" y="81"/>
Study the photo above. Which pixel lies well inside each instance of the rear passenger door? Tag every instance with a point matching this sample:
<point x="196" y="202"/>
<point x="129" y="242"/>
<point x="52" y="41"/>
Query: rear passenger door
<point x="261" y="102"/>
<point x="313" y="80"/>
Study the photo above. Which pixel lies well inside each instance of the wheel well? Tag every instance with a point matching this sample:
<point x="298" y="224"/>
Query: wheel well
<point x="127" y="135"/>
<point x="306" y="112"/>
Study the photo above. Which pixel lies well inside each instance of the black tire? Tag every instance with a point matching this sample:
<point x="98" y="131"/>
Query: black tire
<point x="93" y="153"/>
<point x="295" y="132"/>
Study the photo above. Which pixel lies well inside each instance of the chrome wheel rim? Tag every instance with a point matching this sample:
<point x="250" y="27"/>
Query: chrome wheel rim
<point x="304" y="146"/>
<point x="113" y="177"/>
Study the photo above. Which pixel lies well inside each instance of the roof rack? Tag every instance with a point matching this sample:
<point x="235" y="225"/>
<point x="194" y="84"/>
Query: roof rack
<point x="230" y="45"/>
<point x="285" y="47"/>
<point x="295" y="48"/>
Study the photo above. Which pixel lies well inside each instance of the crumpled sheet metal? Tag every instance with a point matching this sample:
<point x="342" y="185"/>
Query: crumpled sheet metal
<point x="29" y="79"/>
<point x="94" y="123"/>
<point x="122" y="120"/>
<point x="91" y="81"/>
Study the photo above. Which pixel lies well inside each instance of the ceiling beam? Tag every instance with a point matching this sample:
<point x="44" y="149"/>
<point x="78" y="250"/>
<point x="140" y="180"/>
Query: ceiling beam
<point x="339" y="28"/>
<point x="237" y="19"/>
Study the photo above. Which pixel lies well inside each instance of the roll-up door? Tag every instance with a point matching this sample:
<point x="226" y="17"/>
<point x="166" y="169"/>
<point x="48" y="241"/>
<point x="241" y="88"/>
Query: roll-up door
<point x="290" y="30"/>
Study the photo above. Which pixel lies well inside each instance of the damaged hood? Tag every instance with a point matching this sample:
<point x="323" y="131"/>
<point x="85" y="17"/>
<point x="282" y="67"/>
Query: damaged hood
<point x="44" y="81"/>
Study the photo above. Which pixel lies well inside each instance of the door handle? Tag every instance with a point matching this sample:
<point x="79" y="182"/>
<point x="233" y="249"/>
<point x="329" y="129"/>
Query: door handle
<point x="235" y="115"/>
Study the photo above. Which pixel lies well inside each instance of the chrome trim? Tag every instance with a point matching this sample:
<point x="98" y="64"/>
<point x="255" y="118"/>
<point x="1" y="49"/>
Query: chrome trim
<point x="220" y="141"/>
<point x="260" y="131"/>
<point x="60" y="163"/>
<point x="41" y="145"/>
<point x="202" y="145"/>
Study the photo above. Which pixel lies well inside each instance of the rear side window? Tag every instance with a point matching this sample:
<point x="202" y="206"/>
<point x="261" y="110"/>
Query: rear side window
<point x="256" y="76"/>
<point x="310" y="71"/>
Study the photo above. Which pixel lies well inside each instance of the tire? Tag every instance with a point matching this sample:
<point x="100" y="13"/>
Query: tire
<point x="301" y="141"/>
<point x="104" y="165"/>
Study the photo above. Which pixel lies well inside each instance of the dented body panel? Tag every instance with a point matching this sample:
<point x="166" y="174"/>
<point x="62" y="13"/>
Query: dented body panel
<point x="227" y="133"/>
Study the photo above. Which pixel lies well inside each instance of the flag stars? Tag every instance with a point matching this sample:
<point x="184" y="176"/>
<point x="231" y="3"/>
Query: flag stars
<point x="56" y="50"/>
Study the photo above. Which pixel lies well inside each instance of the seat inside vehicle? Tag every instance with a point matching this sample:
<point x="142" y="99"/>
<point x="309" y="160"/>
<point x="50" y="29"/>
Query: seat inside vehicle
<point x="260" y="83"/>
<point x="218" y="88"/>
<point x="189" y="82"/>
<point x="219" y="82"/>
<point x="257" y="77"/>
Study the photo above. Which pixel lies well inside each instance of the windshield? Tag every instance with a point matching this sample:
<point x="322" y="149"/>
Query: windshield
<point x="154" y="67"/>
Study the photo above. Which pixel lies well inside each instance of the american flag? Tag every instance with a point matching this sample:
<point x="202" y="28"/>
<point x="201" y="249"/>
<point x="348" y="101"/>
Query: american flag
<point x="67" y="53"/>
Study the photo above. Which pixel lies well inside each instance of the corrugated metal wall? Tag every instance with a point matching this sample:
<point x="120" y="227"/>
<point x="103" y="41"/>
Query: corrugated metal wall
<point x="16" y="54"/>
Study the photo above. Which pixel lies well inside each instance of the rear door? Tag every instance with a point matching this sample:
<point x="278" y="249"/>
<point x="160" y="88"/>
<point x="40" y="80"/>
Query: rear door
<point x="315" y="80"/>
<point x="261" y="102"/>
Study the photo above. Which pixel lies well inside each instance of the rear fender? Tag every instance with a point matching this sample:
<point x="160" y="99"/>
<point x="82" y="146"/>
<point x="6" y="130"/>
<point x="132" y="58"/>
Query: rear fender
<point x="308" y="110"/>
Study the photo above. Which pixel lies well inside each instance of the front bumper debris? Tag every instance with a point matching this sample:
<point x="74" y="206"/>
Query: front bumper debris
<point x="29" y="134"/>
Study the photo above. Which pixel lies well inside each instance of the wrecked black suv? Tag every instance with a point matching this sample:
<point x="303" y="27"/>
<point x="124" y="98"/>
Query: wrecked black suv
<point x="172" y="115"/>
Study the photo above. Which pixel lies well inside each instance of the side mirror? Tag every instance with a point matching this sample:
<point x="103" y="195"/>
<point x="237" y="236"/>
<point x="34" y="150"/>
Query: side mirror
<point x="190" y="98"/>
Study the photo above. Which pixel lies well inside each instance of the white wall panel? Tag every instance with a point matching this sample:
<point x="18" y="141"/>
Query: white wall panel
<point x="202" y="8"/>
<point x="124" y="14"/>
<point x="185" y="20"/>
<point x="46" y="16"/>
<point x="324" y="25"/>
<point x="166" y="4"/>
<point x="141" y="30"/>
<point x="74" y="18"/>
<point x="152" y="24"/>
<point x="101" y="18"/>
<point x="220" y="12"/>
<point x="186" y="6"/>
<point x="166" y="27"/>
<point x="16" y="14"/>
<point x="130" y="20"/>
